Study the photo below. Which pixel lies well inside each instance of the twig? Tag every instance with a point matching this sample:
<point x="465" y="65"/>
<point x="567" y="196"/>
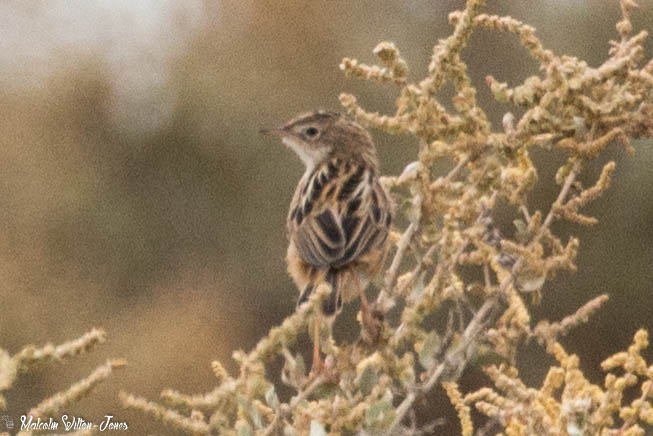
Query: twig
<point x="409" y="234"/>
<point x="284" y="409"/>
<point x="452" y="358"/>
<point x="629" y="421"/>
<point x="454" y="172"/>
<point x="457" y="357"/>
<point x="403" y="244"/>
<point x="571" y="177"/>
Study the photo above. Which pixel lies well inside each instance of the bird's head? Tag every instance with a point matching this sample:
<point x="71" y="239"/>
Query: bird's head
<point x="320" y="136"/>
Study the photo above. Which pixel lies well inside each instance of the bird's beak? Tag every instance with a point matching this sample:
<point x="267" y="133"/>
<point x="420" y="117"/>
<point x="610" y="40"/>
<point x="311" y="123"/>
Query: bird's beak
<point x="277" y="131"/>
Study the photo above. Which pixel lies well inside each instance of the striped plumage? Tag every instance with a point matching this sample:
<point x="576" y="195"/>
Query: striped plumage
<point x="338" y="228"/>
<point x="340" y="215"/>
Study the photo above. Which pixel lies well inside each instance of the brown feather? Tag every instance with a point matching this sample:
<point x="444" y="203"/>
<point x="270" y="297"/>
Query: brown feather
<point x="339" y="217"/>
<point x="346" y="233"/>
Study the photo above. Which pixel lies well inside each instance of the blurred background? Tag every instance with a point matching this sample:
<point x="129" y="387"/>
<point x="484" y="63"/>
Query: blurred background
<point x="136" y="194"/>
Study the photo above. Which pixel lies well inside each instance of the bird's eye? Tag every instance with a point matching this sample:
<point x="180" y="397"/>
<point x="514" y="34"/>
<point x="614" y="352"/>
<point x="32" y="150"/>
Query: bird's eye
<point x="311" y="132"/>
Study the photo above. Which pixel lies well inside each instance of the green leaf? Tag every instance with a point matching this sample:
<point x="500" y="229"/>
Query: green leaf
<point x="380" y="414"/>
<point x="522" y="231"/>
<point x="243" y="428"/>
<point x="367" y="380"/>
<point x="294" y="371"/>
<point x="429" y="349"/>
<point x="326" y="390"/>
<point x="300" y="368"/>
<point x="485" y="356"/>
<point x="417" y="288"/>
<point x="317" y="429"/>
<point x="529" y="282"/>
<point x="289" y="431"/>
<point x="271" y="397"/>
<point x="251" y="411"/>
<point x="564" y="171"/>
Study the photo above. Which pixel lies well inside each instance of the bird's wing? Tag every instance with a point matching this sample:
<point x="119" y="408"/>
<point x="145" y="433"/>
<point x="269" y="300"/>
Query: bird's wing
<point x="339" y="218"/>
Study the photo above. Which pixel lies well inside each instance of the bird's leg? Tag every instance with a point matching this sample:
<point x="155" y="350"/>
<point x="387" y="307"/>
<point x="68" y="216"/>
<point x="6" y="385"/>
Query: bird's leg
<point x="365" y="305"/>
<point x="371" y="325"/>
<point x="318" y="363"/>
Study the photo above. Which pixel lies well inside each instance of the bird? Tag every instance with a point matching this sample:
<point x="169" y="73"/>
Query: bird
<point x="339" y="218"/>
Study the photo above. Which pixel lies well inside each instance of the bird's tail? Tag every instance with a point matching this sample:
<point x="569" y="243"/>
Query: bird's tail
<point x="332" y="305"/>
